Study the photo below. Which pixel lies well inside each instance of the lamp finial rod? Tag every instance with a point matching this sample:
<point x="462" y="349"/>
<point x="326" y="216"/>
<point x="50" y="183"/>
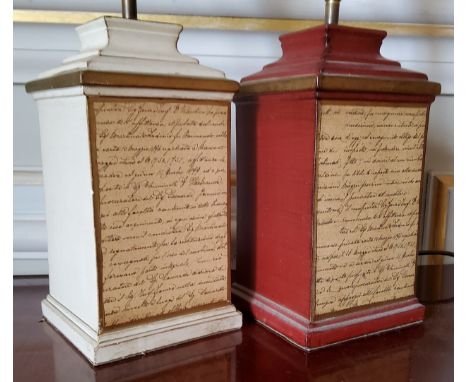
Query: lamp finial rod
<point x="129" y="9"/>
<point x="332" y="11"/>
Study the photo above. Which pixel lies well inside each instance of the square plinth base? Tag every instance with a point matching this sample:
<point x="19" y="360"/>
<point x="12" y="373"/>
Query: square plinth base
<point x="314" y="335"/>
<point x="116" y="344"/>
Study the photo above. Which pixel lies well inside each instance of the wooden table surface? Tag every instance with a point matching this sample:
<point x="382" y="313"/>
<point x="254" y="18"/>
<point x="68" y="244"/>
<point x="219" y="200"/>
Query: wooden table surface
<point x="419" y="353"/>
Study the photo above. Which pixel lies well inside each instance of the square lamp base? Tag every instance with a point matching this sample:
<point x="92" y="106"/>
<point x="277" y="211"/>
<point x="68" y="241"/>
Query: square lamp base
<point x="326" y="332"/>
<point x="124" y="342"/>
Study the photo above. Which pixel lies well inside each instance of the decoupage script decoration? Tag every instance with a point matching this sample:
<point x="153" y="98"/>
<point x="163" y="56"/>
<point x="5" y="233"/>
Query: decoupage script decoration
<point x="368" y="180"/>
<point x="162" y="170"/>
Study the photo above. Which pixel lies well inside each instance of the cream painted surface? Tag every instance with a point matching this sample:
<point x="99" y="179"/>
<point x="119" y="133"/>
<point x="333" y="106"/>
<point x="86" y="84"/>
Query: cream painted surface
<point x="120" y="45"/>
<point x="112" y="36"/>
<point x="69" y="205"/>
<point x="116" y="344"/>
<point x="157" y="93"/>
<point x="132" y="92"/>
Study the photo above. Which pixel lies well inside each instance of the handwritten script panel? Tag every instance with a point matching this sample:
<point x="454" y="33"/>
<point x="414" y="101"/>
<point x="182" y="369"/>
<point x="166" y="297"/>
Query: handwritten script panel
<point x="162" y="169"/>
<point x="368" y="182"/>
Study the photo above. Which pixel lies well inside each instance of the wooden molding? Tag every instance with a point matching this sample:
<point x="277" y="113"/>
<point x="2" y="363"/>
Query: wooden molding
<point x="231" y="23"/>
<point x="340" y="83"/>
<point x="438" y="224"/>
<point x="97" y="78"/>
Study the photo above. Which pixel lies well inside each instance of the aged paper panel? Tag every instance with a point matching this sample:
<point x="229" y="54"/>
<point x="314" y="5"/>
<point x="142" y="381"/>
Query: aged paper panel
<point x="162" y="169"/>
<point x="368" y="183"/>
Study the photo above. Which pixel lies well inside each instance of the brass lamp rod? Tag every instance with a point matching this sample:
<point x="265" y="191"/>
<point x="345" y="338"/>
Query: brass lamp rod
<point x="332" y="11"/>
<point x="129" y="9"/>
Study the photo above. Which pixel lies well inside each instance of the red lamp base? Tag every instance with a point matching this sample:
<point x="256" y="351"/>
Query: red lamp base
<point x="309" y="336"/>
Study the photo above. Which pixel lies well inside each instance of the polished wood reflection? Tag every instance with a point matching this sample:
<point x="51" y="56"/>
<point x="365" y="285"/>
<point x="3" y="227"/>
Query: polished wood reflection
<point x="420" y="353"/>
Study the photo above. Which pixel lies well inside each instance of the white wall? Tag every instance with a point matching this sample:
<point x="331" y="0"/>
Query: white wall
<point x="406" y="11"/>
<point x="38" y="47"/>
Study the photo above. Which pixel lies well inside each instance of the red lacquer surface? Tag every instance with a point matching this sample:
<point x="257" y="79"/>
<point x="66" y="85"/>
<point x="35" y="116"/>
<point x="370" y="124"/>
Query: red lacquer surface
<point x="275" y="178"/>
<point x="275" y="166"/>
<point x="333" y="50"/>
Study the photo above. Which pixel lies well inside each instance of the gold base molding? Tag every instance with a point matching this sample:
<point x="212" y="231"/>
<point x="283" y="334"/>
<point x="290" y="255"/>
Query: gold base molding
<point x="231" y="23"/>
